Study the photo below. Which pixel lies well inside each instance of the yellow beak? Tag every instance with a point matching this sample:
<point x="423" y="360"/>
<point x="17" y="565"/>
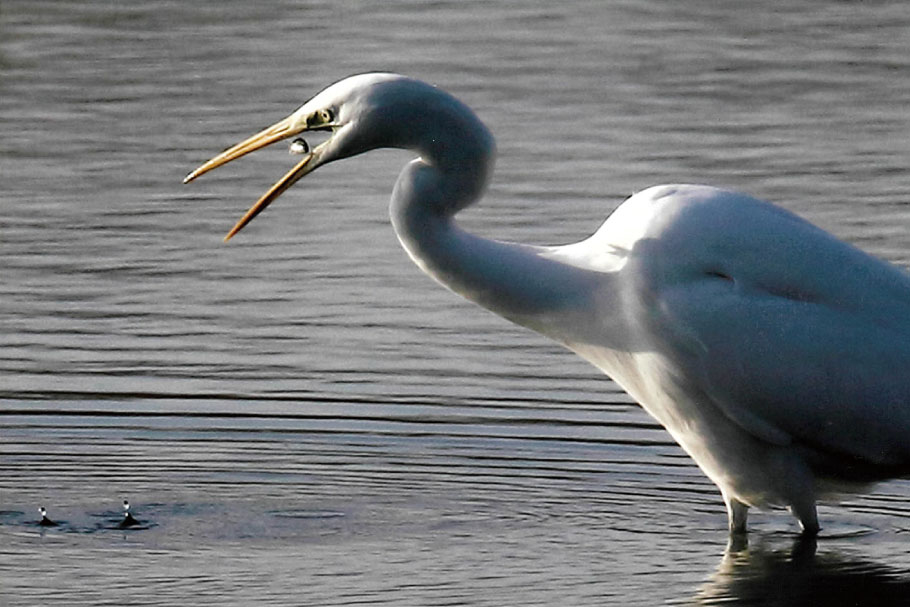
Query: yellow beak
<point x="284" y="129"/>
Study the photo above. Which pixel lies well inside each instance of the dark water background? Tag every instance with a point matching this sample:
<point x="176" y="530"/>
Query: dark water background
<point x="301" y="417"/>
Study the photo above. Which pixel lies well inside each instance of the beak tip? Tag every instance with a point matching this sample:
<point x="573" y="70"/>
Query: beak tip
<point x="189" y="177"/>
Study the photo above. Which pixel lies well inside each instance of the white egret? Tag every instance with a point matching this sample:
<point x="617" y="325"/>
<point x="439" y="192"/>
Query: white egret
<point x="775" y="354"/>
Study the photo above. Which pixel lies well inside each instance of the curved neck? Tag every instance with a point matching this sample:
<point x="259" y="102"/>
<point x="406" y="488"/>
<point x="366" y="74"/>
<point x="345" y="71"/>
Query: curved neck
<point x="531" y="286"/>
<point x="519" y="282"/>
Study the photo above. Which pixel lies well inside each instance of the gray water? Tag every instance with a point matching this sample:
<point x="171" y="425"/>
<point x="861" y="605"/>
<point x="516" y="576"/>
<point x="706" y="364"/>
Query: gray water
<point x="300" y="416"/>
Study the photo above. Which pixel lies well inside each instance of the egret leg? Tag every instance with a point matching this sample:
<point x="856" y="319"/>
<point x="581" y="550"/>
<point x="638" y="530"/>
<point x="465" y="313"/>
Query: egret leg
<point x="802" y="500"/>
<point x="738" y="542"/>
<point x="737" y="513"/>
<point x="807" y="516"/>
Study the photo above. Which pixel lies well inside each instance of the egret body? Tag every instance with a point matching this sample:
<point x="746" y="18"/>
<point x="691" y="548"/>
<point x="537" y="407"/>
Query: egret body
<point x="775" y="354"/>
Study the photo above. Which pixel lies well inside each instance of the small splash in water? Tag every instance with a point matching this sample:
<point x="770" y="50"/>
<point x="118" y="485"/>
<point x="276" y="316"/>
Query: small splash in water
<point x="45" y="521"/>
<point x="128" y="521"/>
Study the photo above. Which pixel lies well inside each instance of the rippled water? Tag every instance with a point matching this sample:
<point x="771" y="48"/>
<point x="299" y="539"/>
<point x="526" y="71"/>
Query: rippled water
<point x="301" y="417"/>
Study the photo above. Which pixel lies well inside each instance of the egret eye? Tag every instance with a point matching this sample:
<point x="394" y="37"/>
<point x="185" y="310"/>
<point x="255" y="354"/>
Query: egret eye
<point x="320" y="119"/>
<point x="299" y="146"/>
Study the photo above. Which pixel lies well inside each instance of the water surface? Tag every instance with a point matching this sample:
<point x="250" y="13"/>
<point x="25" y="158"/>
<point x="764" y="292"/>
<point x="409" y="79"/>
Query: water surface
<point x="301" y="417"/>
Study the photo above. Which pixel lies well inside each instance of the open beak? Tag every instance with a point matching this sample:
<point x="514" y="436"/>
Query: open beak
<point x="284" y="129"/>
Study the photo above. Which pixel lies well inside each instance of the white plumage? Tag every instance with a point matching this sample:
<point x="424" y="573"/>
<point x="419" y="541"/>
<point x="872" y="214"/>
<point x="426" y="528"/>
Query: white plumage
<point x="774" y="354"/>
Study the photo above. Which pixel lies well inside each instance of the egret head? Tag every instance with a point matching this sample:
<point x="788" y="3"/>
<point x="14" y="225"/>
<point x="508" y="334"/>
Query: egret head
<point x="361" y="113"/>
